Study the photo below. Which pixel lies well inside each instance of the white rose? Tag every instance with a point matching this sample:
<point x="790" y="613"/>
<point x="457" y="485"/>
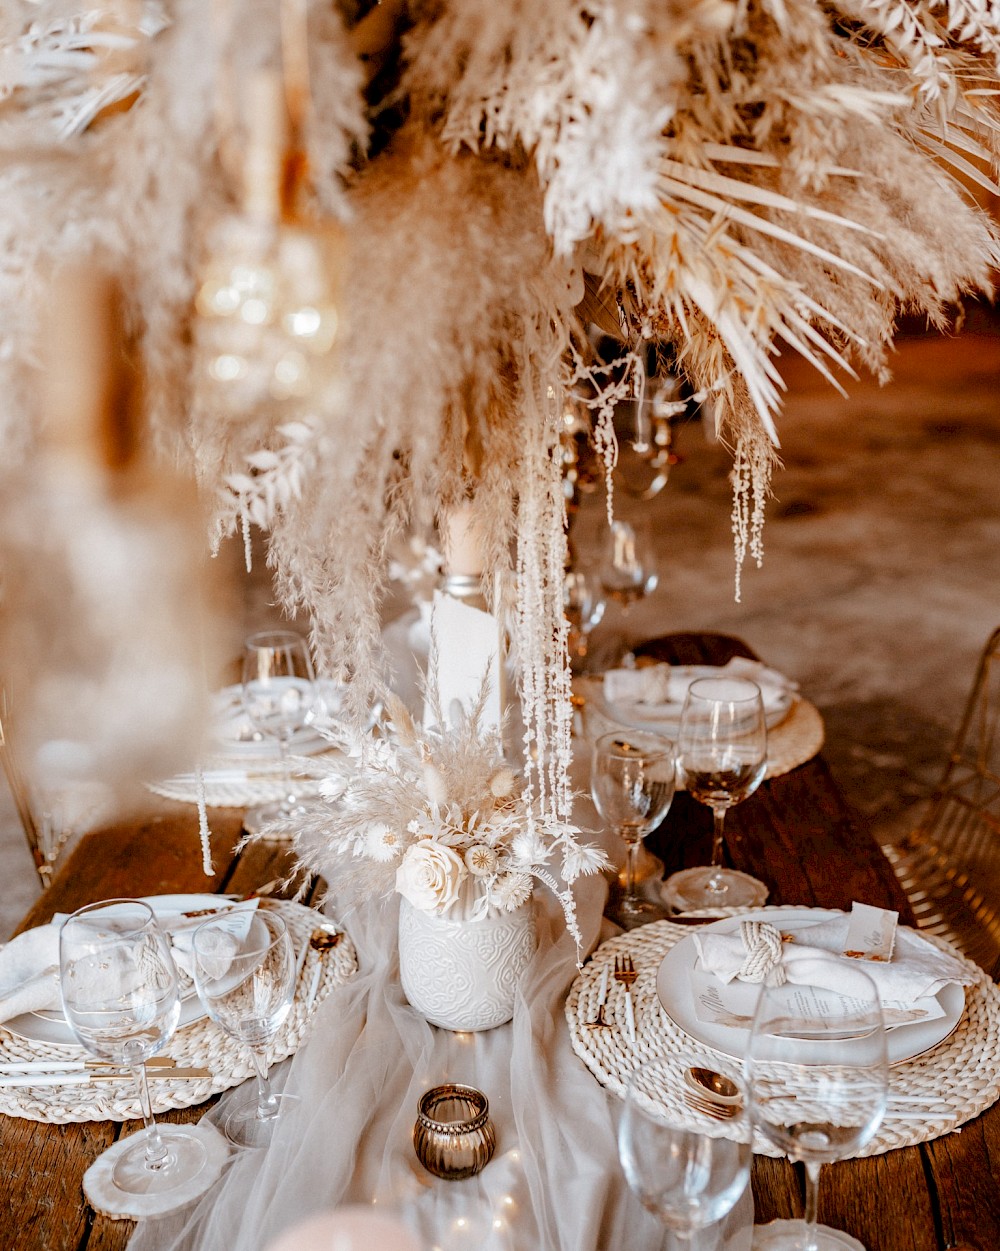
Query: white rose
<point x="430" y="875"/>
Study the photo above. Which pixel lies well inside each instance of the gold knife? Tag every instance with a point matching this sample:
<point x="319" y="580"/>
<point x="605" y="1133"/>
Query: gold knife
<point x="84" y="1079"/>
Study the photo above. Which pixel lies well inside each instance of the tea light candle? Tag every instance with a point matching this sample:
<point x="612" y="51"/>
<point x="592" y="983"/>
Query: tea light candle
<point x="454" y="1136"/>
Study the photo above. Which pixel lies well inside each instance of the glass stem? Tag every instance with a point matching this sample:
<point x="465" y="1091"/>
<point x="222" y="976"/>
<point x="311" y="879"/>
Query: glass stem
<point x="715" y="883"/>
<point x="631" y="862"/>
<point x="267" y="1101"/>
<point x="290" y="801"/>
<point x="156" y="1148"/>
<point x="812" y="1203"/>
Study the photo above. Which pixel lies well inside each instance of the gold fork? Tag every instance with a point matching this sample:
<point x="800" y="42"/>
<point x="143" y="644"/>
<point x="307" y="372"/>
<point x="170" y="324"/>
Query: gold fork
<point x="625" y="971"/>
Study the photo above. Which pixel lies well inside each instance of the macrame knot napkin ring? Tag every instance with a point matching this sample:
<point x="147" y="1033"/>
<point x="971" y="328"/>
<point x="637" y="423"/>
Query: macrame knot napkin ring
<point x="763" y="959"/>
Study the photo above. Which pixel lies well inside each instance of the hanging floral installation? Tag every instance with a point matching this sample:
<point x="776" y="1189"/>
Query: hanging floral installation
<point x="472" y="185"/>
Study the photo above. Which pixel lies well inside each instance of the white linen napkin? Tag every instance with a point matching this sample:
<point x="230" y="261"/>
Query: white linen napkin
<point x="813" y="957"/>
<point x="656" y="685"/>
<point x="29" y="972"/>
<point x="29" y="963"/>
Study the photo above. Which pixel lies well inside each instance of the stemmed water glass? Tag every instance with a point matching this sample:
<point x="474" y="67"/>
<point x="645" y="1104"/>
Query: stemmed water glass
<point x="682" y="1169"/>
<point x="119" y="994"/>
<point x="246" y="983"/>
<point x="632" y="782"/>
<point x="722" y="759"/>
<point x="628" y="570"/>
<point x="818" y="1087"/>
<point x="279" y="695"/>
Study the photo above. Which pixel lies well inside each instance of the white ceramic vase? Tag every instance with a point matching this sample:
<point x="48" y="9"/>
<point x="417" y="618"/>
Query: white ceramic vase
<point x="463" y="974"/>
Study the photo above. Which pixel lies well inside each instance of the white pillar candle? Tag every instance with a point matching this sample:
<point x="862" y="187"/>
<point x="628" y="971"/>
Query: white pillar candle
<point x="463" y="542"/>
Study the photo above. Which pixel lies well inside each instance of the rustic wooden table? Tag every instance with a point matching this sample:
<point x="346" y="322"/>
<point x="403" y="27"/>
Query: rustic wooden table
<point x="795" y="834"/>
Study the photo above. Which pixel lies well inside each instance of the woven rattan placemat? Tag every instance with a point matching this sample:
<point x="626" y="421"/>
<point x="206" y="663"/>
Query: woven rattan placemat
<point x="201" y="1044"/>
<point x="231" y="782"/>
<point x="930" y="1095"/>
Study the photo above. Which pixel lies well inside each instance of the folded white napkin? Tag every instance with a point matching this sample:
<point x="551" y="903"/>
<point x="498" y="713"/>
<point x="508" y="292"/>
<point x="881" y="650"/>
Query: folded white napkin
<point x="813" y="958"/>
<point x="29" y="972"/>
<point x="29" y="963"/>
<point x="466" y="656"/>
<point x="658" y="685"/>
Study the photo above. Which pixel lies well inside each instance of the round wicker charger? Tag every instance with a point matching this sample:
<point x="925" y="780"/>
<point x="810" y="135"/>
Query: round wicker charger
<point x="202" y="1044"/>
<point x="929" y="1095"/>
<point x="793" y="741"/>
<point x="232" y="782"/>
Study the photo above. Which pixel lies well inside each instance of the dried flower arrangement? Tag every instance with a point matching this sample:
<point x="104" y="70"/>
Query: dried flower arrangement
<point x="441" y="818"/>
<point x="726" y="178"/>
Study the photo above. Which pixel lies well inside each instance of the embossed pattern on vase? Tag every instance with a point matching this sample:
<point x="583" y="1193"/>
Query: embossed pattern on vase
<point x="463" y="975"/>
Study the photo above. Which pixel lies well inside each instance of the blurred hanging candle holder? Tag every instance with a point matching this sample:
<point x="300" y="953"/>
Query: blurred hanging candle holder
<point x="111" y="627"/>
<point x="268" y="304"/>
<point x="645" y="438"/>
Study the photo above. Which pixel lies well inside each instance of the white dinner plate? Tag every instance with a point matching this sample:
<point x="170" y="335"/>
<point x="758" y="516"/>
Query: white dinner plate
<point x="51" y="1027"/>
<point x="673" y="988"/>
<point x="235" y="737"/>
<point x="665" y="718"/>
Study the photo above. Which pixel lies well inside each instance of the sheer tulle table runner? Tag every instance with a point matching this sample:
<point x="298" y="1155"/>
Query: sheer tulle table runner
<point x="555" y="1181"/>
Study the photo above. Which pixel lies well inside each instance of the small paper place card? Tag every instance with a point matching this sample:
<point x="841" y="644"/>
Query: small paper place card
<point x="871" y="934"/>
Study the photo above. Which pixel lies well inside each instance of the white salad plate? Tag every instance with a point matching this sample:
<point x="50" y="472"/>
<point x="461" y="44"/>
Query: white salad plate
<point x="234" y="737"/>
<point x="675" y="992"/>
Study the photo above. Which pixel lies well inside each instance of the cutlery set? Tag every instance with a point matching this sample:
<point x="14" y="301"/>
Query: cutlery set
<point x="83" y="1072"/>
<point x="625" y="974"/>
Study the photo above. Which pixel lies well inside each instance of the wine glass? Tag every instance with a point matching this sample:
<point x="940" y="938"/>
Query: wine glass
<point x="632" y="782"/>
<point x="722" y="759"/>
<point x="583" y="604"/>
<point x="119" y="994"/>
<point x="818" y="1080"/>
<point x="682" y="1169"/>
<point x="628" y="570"/>
<point x="278" y="697"/>
<point x="245" y="978"/>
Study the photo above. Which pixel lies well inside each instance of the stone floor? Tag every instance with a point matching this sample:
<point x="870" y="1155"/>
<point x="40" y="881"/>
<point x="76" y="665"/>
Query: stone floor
<point x="880" y="580"/>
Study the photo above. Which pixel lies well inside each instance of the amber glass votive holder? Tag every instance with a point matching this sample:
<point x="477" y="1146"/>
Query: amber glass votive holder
<point x="454" y="1136"/>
